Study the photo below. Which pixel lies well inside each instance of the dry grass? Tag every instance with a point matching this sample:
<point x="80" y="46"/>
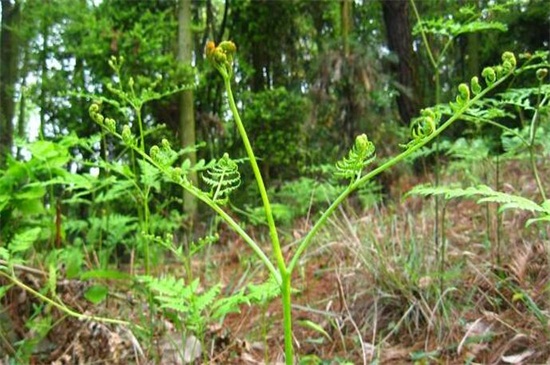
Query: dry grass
<point x="477" y="300"/>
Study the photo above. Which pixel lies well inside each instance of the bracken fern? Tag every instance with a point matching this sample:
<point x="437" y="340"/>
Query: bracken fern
<point x="223" y="177"/>
<point x="485" y="194"/>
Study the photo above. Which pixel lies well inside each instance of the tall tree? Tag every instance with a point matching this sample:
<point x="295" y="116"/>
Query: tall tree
<point x="9" y="51"/>
<point x="398" y="30"/>
<point x="346" y="25"/>
<point x="186" y="104"/>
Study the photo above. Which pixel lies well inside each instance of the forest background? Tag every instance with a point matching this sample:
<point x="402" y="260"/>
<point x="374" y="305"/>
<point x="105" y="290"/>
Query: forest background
<point x="309" y="76"/>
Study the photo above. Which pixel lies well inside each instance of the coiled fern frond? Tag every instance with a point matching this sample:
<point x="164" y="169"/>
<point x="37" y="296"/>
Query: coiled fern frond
<point x="361" y="154"/>
<point x="423" y="126"/>
<point x="223" y="178"/>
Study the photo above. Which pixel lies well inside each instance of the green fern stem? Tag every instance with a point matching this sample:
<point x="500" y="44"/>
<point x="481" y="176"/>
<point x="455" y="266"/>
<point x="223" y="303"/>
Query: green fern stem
<point x="136" y="104"/>
<point x="145" y="195"/>
<point x="62" y="307"/>
<point x="258" y="176"/>
<point x="145" y="229"/>
<point x="285" y="274"/>
<point x="241" y="232"/>
<point x="137" y="109"/>
<point x="214" y="206"/>
<point x="286" y="297"/>
<point x="533" y="131"/>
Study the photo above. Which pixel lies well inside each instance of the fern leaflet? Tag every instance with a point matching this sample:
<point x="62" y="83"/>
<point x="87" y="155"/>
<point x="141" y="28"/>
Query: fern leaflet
<point x="223" y="178"/>
<point x="488" y="195"/>
<point x="359" y="156"/>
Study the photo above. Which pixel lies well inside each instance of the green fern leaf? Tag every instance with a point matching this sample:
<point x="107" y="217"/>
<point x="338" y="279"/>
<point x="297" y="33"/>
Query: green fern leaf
<point x="223" y="178"/>
<point x="170" y="292"/>
<point x="488" y="195"/>
<point x="150" y="175"/>
<point x="202" y="302"/>
<point x="523" y="97"/>
<point x="23" y="241"/>
<point x="264" y="292"/>
<point x="359" y="156"/>
<point x="451" y="28"/>
<point x="231" y="304"/>
<point x="168" y="286"/>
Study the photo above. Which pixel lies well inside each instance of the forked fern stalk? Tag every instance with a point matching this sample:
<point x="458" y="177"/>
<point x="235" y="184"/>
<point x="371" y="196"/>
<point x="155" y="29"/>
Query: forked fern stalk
<point x="425" y="129"/>
<point x="221" y="58"/>
<point x="223" y="177"/>
<point x="158" y="158"/>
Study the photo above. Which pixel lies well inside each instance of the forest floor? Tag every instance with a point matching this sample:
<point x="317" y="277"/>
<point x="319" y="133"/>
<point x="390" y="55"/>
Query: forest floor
<point x="374" y="289"/>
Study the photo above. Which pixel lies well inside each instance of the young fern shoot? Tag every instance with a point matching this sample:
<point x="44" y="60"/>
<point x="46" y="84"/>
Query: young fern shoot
<point x="223" y="177"/>
<point x="359" y="157"/>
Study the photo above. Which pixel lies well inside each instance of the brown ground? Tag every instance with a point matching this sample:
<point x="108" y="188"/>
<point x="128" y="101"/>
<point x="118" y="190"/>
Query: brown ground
<point x="493" y="309"/>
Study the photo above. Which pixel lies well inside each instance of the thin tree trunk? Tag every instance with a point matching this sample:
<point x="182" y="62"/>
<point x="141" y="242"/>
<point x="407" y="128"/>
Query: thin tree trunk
<point x="43" y="73"/>
<point x="398" y="29"/>
<point x="186" y="105"/>
<point x="9" y="53"/>
<point x="346" y="25"/>
<point x="471" y="53"/>
<point x="21" y="117"/>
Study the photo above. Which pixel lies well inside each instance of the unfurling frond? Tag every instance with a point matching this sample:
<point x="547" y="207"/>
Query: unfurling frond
<point x="423" y="126"/>
<point x="223" y="178"/>
<point x="164" y="155"/>
<point x="221" y="56"/>
<point x="359" y="156"/>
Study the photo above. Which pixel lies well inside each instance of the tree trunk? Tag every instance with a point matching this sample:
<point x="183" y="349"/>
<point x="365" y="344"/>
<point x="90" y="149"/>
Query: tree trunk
<point x="351" y="110"/>
<point x="186" y="105"/>
<point x="398" y="29"/>
<point x="9" y="53"/>
<point x="345" y="13"/>
<point x="471" y="55"/>
<point x="43" y="59"/>
<point x="21" y="117"/>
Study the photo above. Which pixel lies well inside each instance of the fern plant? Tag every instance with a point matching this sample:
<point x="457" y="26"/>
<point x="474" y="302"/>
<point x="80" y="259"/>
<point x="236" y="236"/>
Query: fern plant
<point x="530" y="104"/>
<point x="222" y="178"/>
<point x="444" y="31"/>
<point x="514" y="140"/>
<point x="139" y="177"/>
<point x="184" y="298"/>
<point x="196" y="308"/>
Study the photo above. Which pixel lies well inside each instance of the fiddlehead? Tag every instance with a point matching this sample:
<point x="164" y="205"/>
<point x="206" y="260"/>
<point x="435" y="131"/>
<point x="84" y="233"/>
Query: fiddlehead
<point x="223" y="178"/>
<point x="423" y="126"/>
<point x="361" y="154"/>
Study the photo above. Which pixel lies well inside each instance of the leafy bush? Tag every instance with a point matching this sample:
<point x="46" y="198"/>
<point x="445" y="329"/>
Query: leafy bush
<point x="274" y="120"/>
